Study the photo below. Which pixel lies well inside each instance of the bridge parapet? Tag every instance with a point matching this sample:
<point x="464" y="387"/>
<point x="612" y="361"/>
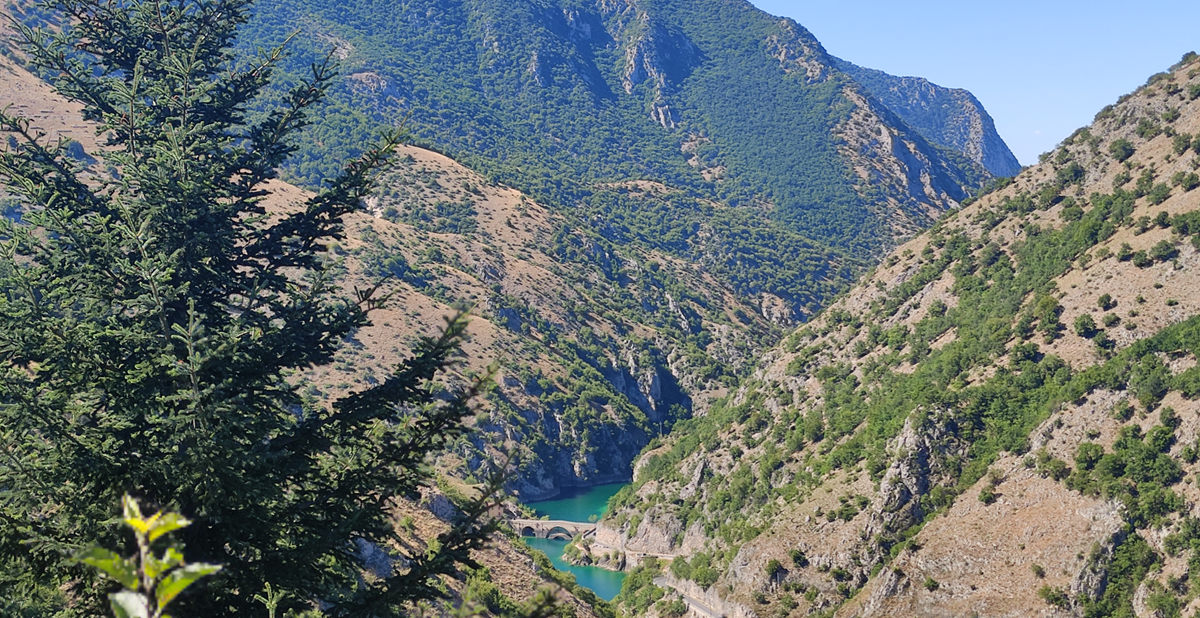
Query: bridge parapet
<point x="553" y="528"/>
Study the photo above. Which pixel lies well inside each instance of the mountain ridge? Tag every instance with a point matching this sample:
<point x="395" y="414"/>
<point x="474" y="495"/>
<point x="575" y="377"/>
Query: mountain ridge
<point x="950" y="117"/>
<point x="930" y="444"/>
<point x="624" y="91"/>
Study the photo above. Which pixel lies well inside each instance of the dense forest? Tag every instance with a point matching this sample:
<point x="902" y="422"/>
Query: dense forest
<point x="556" y="100"/>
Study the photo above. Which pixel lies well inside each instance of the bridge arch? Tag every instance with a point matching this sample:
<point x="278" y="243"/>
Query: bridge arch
<point x="553" y="528"/>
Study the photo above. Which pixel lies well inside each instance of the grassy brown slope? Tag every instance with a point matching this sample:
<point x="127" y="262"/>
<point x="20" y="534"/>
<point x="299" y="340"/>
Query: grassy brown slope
<point x="535" y="307"/>
<point x="755" y="484"/>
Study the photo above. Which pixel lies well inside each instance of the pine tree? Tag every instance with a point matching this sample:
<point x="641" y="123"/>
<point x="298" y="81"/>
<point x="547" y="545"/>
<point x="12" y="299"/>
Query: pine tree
<point x="152" y="312"/>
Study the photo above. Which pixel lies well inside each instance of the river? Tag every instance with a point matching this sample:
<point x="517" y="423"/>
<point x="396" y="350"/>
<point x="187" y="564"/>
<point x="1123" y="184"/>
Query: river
<point x="579" y="505"/>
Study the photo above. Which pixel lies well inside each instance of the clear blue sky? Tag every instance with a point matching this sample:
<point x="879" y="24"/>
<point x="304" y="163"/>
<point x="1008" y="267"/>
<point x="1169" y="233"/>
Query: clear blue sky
<point x="1041" y="68"/>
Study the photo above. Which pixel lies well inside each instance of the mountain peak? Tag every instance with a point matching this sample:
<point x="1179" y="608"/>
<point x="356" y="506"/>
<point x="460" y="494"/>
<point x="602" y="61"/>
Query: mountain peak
<point x="949" y="117"/>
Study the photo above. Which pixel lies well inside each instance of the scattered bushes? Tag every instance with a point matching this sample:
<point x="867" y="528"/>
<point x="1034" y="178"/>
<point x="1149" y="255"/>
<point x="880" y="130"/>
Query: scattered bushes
<point x="1055" y="596"/>
<point x="1163" y="251"/>
<point x="1121" y="149"/>
<point x="1186" y="180"/>
<point x="1158" y="193"/>
<point x="1051" y="466"/>
<point x="1147" y="128"/>
<point x="1181" y="142"/>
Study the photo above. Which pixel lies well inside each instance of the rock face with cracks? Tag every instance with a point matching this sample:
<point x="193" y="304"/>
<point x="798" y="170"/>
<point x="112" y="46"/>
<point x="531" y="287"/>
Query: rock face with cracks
<point x="949" y="117"/>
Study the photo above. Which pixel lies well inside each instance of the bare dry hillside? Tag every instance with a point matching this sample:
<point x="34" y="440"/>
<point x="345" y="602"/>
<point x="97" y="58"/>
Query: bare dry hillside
<point x="997" y="421"/>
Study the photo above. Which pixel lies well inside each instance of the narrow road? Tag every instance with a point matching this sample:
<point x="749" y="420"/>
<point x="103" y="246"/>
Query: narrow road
<point x="695" y="604"/>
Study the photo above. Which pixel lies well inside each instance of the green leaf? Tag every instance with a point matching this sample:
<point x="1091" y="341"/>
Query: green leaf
<point x="133" y="516"/>
<point x="166" y="522"/>
<point x="129" y="604"/>
<point x="157" y="566"/>
<point x="131" y="507"/>
<point x="112" y="565"/>
<point x="180" y="579"/>
<point x="140" y="525"/>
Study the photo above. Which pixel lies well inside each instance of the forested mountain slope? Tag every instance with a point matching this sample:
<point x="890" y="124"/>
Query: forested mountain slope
<point x="600" y="340"/>
<point x="999" y="420"/>
<point x="557" y="98"/>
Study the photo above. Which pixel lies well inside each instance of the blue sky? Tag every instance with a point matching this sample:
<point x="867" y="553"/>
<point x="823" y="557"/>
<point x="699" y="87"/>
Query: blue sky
<point x="1041" y="68"/>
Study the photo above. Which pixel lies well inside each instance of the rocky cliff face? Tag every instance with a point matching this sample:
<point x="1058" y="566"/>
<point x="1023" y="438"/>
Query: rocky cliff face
<point x="1001" y="419"/>
<point x="892" y="161"/>
<point x="652" y="55"/>
<point x="949" y="117"/>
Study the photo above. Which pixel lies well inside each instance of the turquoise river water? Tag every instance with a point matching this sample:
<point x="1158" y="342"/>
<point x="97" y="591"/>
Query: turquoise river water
<point x="579" y="505"/>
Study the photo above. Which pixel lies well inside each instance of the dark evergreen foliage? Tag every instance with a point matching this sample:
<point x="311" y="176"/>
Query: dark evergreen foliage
<point x="153" y="313"/>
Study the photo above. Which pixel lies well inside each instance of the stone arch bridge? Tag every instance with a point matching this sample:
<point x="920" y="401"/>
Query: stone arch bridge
<point x="553" y="528"/>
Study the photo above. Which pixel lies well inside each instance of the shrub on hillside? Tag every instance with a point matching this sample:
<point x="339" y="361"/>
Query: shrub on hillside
<point x="1121" y="149"/>
<point x="1181" y="142"/>
<point x="1085" y="326"/>
<point x="1054" y="596"/>
<point x="1163" y="251"/>
<point x="1158" y="193"/>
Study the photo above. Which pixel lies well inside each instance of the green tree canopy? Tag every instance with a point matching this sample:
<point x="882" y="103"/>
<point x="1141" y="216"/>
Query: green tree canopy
<point x="152" y="311"/>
